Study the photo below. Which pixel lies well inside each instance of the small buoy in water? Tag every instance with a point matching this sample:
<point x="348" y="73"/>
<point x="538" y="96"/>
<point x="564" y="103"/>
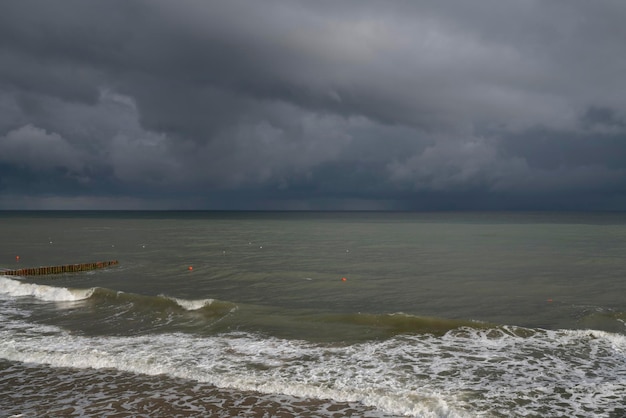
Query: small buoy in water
<point x="190" y="268"/>
<point x="17" y="258"/>
<point x="549" y="300"/>
<point x="343" y="279"/>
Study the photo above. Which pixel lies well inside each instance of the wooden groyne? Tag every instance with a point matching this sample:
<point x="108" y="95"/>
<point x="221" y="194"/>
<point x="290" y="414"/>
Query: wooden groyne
<point x="68" y="268"/>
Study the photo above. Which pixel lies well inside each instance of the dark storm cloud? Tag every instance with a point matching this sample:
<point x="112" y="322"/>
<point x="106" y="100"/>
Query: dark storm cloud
<point x="294" y="104"/>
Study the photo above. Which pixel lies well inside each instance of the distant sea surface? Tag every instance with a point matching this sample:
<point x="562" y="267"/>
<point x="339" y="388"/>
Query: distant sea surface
<point x="320" y="314"/>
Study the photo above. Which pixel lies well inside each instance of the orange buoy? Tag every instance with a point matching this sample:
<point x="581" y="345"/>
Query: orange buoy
<point x="190" y="268"/>
<point x="17" y="258"/>
<point x="343" y="279"/>
<point x="549" y="300"/>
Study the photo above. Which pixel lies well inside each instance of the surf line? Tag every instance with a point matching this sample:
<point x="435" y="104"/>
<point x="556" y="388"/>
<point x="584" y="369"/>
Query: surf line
<point x="67" y="268"/>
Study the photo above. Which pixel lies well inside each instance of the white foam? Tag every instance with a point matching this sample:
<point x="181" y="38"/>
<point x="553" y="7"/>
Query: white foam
<point x="42" y="292"/>
<point x="192" y="305"/>
<point x="464" y="373"/>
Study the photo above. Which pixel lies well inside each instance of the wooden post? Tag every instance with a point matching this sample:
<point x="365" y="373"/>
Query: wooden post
<point x="67" y="268"/>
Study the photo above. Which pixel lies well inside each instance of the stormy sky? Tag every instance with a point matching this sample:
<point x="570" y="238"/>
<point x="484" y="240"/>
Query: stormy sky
<point x="286" y="104"/>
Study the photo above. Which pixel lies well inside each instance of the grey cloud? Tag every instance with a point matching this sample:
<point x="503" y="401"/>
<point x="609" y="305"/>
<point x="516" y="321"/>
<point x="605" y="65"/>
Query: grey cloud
<point x="391" y="105"/>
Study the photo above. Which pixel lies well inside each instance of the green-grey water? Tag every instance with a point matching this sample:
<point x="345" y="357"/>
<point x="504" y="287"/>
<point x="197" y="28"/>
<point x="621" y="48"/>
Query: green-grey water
<point x="293" y="287"/>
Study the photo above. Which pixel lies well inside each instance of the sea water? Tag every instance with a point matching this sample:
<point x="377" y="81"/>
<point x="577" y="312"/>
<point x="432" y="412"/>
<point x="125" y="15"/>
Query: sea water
<point x="364" y="314"/>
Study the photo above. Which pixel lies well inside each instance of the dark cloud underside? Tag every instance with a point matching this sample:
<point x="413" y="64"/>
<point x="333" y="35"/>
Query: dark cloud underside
<point x="313" y="105"/>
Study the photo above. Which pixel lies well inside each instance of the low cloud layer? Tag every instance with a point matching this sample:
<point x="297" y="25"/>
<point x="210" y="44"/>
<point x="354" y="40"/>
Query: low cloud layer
<point x="279" y="104"/>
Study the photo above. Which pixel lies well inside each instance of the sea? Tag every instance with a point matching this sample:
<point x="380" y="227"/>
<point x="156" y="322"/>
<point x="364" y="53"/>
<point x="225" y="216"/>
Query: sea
<point x="314" y="314"/>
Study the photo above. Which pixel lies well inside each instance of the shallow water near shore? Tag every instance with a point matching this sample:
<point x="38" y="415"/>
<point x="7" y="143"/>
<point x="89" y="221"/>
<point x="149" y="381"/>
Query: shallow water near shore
<point x="315" y="314"/>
